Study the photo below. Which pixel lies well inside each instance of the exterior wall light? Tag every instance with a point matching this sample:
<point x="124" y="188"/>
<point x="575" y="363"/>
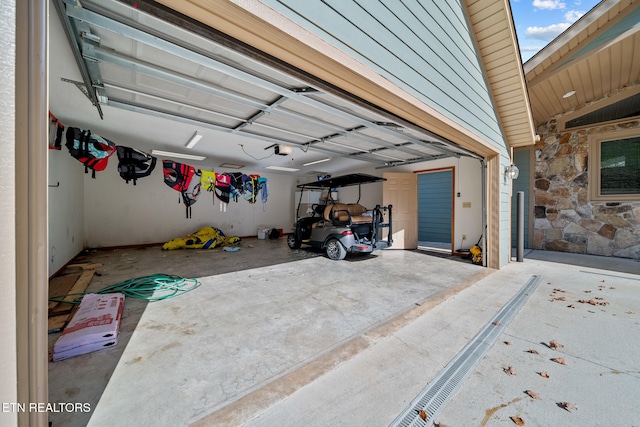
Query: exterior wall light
<point x="511" y="172"/>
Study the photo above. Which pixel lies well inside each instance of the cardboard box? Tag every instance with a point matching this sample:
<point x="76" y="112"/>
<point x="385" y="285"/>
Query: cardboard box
<point x="95" y="326"/>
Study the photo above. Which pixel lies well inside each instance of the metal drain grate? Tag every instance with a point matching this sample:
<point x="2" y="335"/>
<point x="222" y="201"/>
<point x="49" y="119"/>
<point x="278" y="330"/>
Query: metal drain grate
<point x="433" y="398"/>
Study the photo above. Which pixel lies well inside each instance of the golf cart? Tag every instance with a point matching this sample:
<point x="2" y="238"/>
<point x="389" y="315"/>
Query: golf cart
<point x="340" y="228"/>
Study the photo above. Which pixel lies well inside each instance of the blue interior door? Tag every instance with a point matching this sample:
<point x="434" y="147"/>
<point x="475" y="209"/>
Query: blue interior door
<point x="435" y="193"/>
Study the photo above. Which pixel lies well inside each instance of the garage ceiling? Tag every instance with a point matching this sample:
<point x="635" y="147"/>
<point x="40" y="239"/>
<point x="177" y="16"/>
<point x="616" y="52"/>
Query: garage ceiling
<point x="157" y="65"/>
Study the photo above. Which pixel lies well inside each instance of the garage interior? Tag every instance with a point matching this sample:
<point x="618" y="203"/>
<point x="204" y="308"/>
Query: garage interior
<point x="155" y="78"/>
<point x="160" y="78"/>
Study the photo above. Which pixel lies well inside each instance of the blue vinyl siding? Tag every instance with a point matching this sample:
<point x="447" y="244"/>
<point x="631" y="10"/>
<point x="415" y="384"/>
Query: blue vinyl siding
<point x="434" y="206"/>
<point x="425" y="47"/>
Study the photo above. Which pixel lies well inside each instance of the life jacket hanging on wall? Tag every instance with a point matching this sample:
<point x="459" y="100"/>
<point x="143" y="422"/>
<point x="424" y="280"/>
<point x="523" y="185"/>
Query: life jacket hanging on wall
<point x="223" y="190"/>
<point x="90" y="149"/>
<point x="179" y="176"/>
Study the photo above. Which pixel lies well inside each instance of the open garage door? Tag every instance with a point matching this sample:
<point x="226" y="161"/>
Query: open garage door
<point x="148" y="59"/>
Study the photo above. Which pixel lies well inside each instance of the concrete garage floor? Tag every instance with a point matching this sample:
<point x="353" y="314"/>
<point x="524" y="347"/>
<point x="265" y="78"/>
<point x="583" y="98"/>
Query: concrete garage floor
<point x="265" y="322"/>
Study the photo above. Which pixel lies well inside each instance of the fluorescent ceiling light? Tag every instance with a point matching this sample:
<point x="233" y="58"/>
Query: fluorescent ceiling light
<point x="568" y="94"/>
<point x="177" y="155"/>
<point x="316" y="162"/>
<point x="282" y="168"/>
<point x="194" y="140"/>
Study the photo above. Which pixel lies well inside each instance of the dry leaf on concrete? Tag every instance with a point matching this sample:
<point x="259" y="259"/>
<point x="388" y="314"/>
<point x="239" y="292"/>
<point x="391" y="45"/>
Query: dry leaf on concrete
<point x="533" y="394"/>
<point x="440" y="425"/>
<point x="571" y="306"/>
<point x="496" y="323"/>
<point x="587" y="292"/>
<point x="555" y="345"/>
<point x="544" y="374"/>
<point x="423" y="414"/>
<point x="510" y="370"/>
<point x="559" y="299"/>
<point x="559" y="360"/>
<point x="519" y="421"/>
<point x="507" y="342"/>
<point x="532" y="351"/>
<point x="568" y="406"/>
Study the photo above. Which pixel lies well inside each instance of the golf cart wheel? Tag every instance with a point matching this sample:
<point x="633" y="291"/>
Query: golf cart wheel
<point x="293" y="242"/>
<point x="335" y="250"/>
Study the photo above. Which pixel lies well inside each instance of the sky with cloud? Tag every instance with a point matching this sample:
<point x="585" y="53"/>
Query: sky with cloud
<point x="538" y="22"/>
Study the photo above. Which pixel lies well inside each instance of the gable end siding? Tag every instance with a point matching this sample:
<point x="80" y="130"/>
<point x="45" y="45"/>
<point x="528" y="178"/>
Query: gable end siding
<point x="424" y="47"/>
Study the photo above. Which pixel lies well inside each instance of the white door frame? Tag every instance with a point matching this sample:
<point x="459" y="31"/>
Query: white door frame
<point x="31" y="152"/>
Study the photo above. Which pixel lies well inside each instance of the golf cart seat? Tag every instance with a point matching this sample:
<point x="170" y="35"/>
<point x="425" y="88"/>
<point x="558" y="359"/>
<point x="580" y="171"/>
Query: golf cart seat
<point x="339" y="214"/>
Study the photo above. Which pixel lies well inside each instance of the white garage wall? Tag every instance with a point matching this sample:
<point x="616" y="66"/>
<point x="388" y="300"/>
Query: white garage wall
<point x="118" y="214"/>
<point x="66" y="208"/>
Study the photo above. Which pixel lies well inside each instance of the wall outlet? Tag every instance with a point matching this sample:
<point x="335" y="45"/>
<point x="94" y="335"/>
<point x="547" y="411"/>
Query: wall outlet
<point x="464" y="237"/>
<point x="466" y="204"/>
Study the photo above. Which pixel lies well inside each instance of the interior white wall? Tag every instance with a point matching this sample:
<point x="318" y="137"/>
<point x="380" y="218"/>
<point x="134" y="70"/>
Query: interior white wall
<point x="8" y="328"/>
<point x="66" y="208"/>
<point x="120" y="214"/>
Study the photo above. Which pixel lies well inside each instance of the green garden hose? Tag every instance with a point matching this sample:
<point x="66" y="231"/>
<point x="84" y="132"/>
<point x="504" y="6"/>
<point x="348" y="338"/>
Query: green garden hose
<point x="155" y="287"/>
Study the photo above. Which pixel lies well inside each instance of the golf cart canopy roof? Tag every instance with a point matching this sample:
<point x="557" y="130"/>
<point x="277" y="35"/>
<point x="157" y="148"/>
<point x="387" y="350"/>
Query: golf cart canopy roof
<point x="342" y="181"/>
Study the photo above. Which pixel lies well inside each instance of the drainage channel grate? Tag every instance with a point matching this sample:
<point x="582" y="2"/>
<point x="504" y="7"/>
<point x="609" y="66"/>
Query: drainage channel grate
<point x="433" y="398"/>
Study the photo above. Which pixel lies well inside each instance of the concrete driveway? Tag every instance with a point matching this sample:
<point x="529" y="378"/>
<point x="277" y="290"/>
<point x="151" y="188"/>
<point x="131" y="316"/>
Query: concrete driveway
<point x="601" y="377"/>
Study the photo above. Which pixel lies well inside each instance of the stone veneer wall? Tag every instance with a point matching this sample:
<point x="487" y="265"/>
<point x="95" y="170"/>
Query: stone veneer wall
<point x="565" y="219"/>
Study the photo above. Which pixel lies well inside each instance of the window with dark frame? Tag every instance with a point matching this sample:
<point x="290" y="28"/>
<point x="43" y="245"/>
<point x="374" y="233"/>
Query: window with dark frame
<point x="620" y="166"/>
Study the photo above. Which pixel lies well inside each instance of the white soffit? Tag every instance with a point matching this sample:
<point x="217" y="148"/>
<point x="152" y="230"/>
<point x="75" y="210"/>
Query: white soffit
<point x="596" y="57"/>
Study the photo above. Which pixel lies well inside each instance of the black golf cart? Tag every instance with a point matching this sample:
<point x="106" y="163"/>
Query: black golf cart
<point x="341" y="228"/>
